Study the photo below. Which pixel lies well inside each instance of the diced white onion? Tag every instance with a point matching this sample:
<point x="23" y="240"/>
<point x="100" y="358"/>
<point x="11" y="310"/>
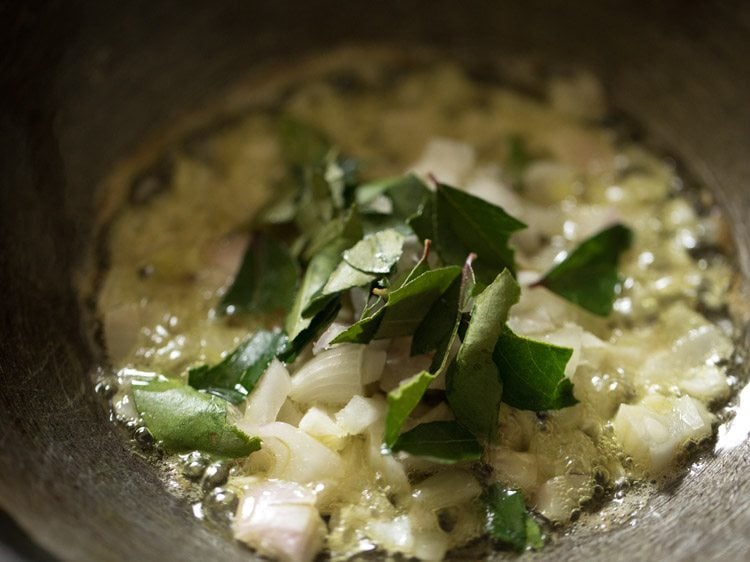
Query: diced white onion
<point x="279" y="520"/>
<point x="657" y="428"/>
<point x="335" y="375"/>
<point x="359" y="414"/>
<point x="518" y="470"/>
<point x="394" y="535"/>
<point x="328" y="335"/>
<point x="560" y="496"/>
<point x="319" y="424"/>
<point x="454" y="486"/>
<point x="690" y="364"/>
<point x="291" y="454"/>
<point x="290" y="413"/>
<point x="267" y="397"/>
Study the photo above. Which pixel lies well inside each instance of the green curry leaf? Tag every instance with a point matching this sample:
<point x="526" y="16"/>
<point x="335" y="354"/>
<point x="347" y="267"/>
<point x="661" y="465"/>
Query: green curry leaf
<point x="445" y="442"/>
<point x="376" y="253"/>
<point x="473" y="386"/>
<point x="405" y="308"/>
<point x="265" y="282"/>
<point x="184" y="419"/>
<point x="318" y="271"/>
<point x="406" y="194"/>
<point x="236" y="376"/>
<point x="401" y="402"/>
<point x="465" y="224"/>
<point x="507" y="519"/>
<point x="533" y="373"/>
<point x="588" y="276"/>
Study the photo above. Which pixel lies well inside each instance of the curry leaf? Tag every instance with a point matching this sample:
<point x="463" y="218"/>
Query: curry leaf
<point x="404" y="309"/>
<point x="421" y="266"/>
<point x="401" y="402"/>
<point x="473" y="386"/>
<point x="318" y="271"/>
<point x="343" y="278"/>
<point x="265" y="282"/>
<point x="346" y="229"/>
<point x="369" y="258"/>
<point x="377" y="252"/>
<point x="465" y="223"/>
<point x="184" y="419"/>
<point x="406" y="194"/>
<point x="445" y="442"/>
<point x="310" y="329"/>
<point x="588" y="276"/>
<point x="437" y="331"/>
<point x="236" y="376"/>
<point x="507" y="519"/>
<point x="439" y="328"/>
<point x="422" y="221"/>
<point x="533" y="373"/>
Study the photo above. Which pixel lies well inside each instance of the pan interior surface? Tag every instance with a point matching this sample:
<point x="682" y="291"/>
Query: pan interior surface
<point x="83" y="91"/>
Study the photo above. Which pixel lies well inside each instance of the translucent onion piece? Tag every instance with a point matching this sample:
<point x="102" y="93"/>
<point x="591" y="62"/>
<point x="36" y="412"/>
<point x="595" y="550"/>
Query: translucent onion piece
<point x="290" y="413"/>
<point x="359" y="414"/>
<point x="690" y="364"/>
<point x="448" y="488"/>
<point x="329" y="334"/>
<point x="319" y="424"/>
<point x="335" y="375"/>
<point x="296" y="456"/>
<point x="267" y="397"/>
<point x="517" y="470"/>
<point x="388" y="467"/>
<point x="279" y="520"/>
<point x="394" y="535"/>
<point x="560" y="496"/>
<point x="657" y="428"/>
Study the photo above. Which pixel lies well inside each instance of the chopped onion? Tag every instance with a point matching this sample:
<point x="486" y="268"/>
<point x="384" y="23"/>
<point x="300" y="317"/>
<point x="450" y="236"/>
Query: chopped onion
<point x="390" y="469"/>
<point x="655" y="430"/>
<point x="690" y="364"/>
<point x="359" y="414"/>
<point x="279" y="520"/>
<point x="291" y="454"/>
<point x="518" y="470"/>
<point x="290" y="413"/>
<point x="328" y="335"/>
<point x="319" y="424"/>
<point x="267" y="397"/>
<point x="335" y="375"/>
<point x="394" y="535"/>
<point x="560" y="496"/>
<point x="454" y="486"/>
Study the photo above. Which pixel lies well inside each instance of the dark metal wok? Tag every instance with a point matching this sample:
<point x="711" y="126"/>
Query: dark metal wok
<point x="81" y="85"/>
